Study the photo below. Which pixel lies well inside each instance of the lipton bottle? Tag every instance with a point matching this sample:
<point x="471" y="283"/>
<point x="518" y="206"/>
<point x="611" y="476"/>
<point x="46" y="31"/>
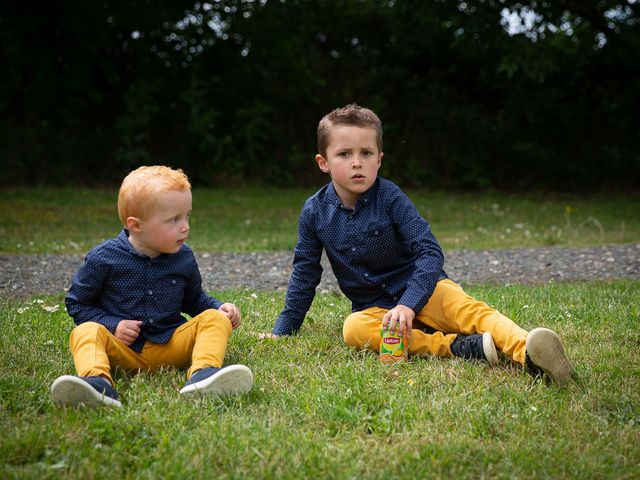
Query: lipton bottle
<point x="393" y="347"/>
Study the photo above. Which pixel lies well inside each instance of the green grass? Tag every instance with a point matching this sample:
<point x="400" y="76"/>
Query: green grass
<point x="322" y="410"/>
<point x="318" y="408"/>
<point x="45" y="220"/>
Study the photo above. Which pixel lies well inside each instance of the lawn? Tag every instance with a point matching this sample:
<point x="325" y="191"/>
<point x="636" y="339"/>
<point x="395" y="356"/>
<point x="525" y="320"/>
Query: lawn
<point x="47" y="220"/>
<point x="319" y="409"/>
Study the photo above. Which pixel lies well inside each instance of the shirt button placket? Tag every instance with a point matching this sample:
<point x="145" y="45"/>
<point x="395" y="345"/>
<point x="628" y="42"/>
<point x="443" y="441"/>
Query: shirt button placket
<point x="351" y="229"/>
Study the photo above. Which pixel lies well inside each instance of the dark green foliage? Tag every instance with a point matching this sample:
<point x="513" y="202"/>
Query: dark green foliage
<point x="232" y="91"/>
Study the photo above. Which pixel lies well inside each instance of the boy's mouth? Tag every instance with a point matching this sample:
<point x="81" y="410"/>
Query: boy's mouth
<point x="357" y="176"/>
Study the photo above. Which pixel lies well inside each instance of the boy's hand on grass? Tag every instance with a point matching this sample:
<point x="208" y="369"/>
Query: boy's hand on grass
<point x="267" y="335"/>
<point x="399" y="317"/>
<point x="128" y="330"/>
<point x="233" y="313"/>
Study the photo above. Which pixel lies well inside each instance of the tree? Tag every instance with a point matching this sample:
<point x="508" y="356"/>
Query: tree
<point x="473" y="94"/>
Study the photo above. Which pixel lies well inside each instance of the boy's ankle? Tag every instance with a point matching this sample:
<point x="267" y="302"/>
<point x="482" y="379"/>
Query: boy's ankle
<point x="475" y="347"/>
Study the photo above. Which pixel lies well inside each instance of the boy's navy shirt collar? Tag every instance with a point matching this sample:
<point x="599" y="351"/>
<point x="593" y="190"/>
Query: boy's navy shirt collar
<point x="123" y="239"/>
<point x="332" y="198"/>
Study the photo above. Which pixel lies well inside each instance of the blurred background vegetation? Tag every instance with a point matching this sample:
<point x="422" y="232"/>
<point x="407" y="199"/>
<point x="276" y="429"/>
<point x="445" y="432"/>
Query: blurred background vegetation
<point x="473" y="94"/>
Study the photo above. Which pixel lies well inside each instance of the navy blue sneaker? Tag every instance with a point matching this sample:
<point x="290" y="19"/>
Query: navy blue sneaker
<point x="545" y="355"/>
<point x="93" y="392"/>
<point x="475" y="346"/>
<point x="219" y="382"/>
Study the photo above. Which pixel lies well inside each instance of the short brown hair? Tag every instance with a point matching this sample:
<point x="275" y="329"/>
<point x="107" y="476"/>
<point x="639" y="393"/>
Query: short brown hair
<point x="139" y="190"/>
<point x="352" y="115"/>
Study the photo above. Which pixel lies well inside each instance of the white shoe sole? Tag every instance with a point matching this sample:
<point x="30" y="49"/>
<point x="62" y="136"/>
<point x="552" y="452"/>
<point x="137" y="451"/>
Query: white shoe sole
<point x="546" y="352"/>
<point x="231" y="380"/>
<point x="489" y="349"/>
<point x="68" y="390"/>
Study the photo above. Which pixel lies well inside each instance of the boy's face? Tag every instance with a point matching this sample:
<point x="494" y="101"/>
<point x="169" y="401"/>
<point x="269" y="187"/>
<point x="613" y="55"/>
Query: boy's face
<point x="166" y="228"/>
<point x="352" y="160"/>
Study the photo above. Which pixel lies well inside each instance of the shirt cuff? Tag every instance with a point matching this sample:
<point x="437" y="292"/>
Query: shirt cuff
<point x="414" y="302"/>
<point x="284" y="327"/>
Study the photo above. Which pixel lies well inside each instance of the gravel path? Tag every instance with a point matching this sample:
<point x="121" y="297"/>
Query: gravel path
<point x="26" y="275"/>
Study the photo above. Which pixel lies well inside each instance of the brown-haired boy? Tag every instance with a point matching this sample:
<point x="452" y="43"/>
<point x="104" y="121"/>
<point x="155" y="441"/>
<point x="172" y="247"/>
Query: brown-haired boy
<point x="389" y="264"/>
<point x="127" y="299"/>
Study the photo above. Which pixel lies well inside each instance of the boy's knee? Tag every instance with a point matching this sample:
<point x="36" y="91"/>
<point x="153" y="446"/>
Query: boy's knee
<point x="215" y="317"/>
<point x="448" y="287"/>
<point x="87" y="331"/>
<point x="87" y="328"/>
<point x="350" y="330"/>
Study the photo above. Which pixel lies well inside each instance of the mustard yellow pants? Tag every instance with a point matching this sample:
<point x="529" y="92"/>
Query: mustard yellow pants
<point x="200" y="342"/>
<point x="449" y="311"/>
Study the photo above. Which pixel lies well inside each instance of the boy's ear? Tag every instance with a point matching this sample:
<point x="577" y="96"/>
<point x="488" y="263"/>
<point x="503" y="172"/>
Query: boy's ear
<point x="322" y="163"/>
<point x="134" y="224"/>
<point x="380" y="158"/>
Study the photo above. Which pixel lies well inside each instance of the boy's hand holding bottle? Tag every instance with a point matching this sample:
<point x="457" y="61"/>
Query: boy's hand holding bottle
<point x="395" y="333"/>
<point x="400" y="319"/>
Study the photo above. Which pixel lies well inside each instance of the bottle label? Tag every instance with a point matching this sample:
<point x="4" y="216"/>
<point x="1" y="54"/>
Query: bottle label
<point x="393" y="347"/>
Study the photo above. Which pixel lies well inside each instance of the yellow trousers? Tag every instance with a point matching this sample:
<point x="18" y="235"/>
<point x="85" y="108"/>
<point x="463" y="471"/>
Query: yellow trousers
<point x="200" y="342"/>
<point x="449" y="311"/>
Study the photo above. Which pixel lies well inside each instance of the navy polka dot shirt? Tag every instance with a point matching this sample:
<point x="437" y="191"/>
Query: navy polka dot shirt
<point x="116" y="282"/>
<point x="382" y="253"/>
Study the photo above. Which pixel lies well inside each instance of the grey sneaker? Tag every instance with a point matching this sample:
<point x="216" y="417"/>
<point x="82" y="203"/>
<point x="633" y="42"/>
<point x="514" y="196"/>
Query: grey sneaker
<point x="92" y="392"/>
<point x="219" y="382"/>
<point x="545" y="354"/>
<point x="476" y="346"/>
